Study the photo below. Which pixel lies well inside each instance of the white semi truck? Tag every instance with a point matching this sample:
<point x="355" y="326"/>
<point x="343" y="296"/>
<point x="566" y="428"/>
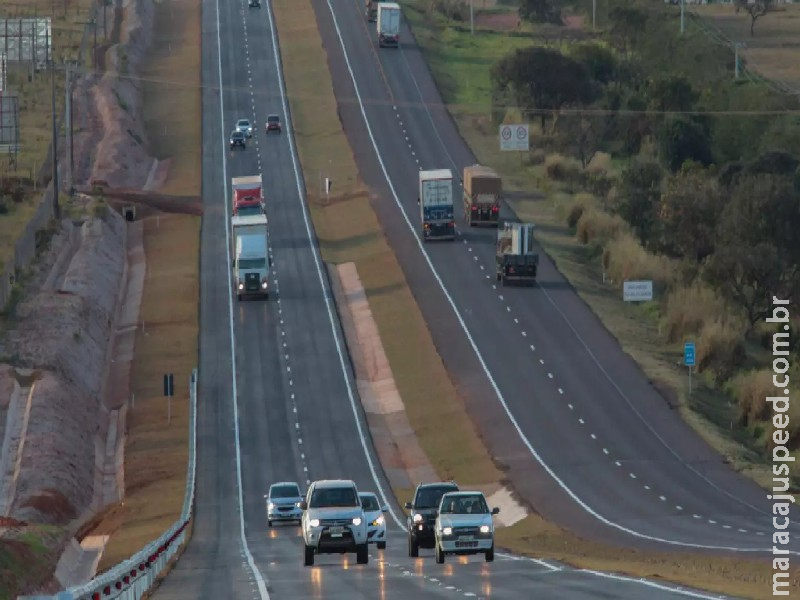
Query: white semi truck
<point x="436" y="204"/>
<point x="388" y="24"/>
<point x="250" y="258"/>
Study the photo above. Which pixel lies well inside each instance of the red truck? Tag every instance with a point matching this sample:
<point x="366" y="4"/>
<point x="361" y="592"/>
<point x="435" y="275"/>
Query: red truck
<point x="248" y="196"/>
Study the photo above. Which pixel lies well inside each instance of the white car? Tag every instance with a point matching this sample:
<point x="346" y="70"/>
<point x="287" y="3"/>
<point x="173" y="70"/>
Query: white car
<point x="376" y="522"/>
<point x="245" y="127"/>
<point x="333" y="521"/>
<point x="464" y="526"/>
<point x="283" y="502"/>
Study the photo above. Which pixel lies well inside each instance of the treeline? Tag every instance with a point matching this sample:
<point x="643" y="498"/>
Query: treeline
<point x="689" y="178"/>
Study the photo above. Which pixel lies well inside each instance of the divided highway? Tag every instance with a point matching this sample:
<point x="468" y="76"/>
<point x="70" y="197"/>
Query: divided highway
<point x="586" y="436"/>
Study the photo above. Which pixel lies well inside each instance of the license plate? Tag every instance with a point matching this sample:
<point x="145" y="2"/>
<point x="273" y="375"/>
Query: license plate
<point x="465" y="538"/>
<point x="336" y="531"/>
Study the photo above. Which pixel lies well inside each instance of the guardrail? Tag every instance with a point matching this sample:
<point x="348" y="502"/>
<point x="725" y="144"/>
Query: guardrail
<point x="132" y="578"/>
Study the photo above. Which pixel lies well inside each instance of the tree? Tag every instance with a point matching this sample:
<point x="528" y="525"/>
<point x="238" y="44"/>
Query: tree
<point x="672" y="93"/>
<point x="639" y="193"/>
<point x="682" y="139"/>
<point x="627" y="25"/>
<point x="688" y="213"/>
<point x="599" y="61"/>
<point x="541" y="11"/>
<point x="542" y="80"/>
<point x="757" y="9"/>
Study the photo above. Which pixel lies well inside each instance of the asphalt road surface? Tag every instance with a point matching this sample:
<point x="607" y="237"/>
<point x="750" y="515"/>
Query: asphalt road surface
<point x="585" y="435"/>
<point x="276" y="399"/>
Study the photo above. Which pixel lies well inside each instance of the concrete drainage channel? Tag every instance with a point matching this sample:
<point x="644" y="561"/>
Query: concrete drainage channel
<point x="133" y="578"/>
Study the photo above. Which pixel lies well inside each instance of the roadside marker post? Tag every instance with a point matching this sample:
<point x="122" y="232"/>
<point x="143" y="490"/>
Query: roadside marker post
<point x="169" y="392"/>
<point x="689" y="360"/>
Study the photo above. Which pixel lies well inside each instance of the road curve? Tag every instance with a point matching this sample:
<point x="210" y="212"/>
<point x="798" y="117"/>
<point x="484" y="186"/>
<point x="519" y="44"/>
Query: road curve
<point x="276" y="392"/>
<point x="592" y="444"/>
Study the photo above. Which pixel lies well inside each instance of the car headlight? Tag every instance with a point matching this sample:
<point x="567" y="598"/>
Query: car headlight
<point x="378" y="521"/>
<point x="417" y="518"/>
<point x="356" y="521"/>
<point x="271" y="506"/>
<point x="313" y="523"/>
<point x="447" y="531"/>
<point x="241" y="286"/>
<point x="485" y="529"/>
<point x="263" y="285"/>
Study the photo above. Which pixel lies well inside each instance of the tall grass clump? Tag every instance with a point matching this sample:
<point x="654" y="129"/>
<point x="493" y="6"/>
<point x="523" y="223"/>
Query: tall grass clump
<point x="687" y="308"/>
<point x="598" y="226"/>
<point x="626" y="259"/>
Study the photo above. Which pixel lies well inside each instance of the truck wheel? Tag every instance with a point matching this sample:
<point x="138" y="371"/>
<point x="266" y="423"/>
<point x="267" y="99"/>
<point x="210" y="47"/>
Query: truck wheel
<point x="490" y="554"/>
<point x="269" y="523"/>
<point x="381" y="545"/>
<point x="239" y="297"/>
<point x="439" y="555"/>
<point x="362" y="554"/>
<point x="308" y="561"/>
<point x="498" y="277"/>
<point x="413" y="548"/>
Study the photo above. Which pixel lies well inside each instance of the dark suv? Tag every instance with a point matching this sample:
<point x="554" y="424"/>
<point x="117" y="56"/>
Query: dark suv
<point x="422" y="518"/>
<point x="273" y="123"/>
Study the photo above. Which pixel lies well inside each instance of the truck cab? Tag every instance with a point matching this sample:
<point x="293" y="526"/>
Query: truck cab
<point x="371" y="10"/>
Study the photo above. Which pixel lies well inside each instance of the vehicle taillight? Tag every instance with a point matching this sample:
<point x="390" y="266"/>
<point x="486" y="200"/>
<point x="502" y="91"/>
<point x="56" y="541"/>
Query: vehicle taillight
<point x="495" y="209"/>
<point x="474" y="209"/>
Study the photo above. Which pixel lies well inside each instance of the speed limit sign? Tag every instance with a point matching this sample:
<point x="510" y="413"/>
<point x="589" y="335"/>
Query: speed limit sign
<point x="514" y="137"/>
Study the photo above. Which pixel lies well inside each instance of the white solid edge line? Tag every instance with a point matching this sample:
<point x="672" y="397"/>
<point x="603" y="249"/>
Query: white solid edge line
<point x="262" y="586"/>
<point x="478" y="354"/>
<point x="578" y="335"/>
<point x="314" y="251"/>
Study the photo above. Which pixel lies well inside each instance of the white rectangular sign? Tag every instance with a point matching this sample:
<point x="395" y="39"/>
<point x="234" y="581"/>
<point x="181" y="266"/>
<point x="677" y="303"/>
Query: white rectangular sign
<point x="637" y="291"/>
<point x="514" y="137"/>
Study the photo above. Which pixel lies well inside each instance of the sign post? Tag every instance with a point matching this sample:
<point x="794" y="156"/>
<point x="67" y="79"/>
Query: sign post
<point x="637" y="291"/>
<point x="688" y="360"/>
<point x="169" y="392"/>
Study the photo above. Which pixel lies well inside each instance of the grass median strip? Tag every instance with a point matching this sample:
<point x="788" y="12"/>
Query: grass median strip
<point x="349" y="231"/>
<point x="156" y="453"/>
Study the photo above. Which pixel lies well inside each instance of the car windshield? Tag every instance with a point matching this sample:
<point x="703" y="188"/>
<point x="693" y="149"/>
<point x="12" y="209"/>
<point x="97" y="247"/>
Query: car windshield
<point x="252" y="263"/>
<point x="272" y="119"/>
<point x="244" y="123"/>
<point x="342" y="496"/>
<point x="246" y="211"/>
<point x="431" y="496"/>
<point x="284" y="491"/>
<point x="474" y="504"/>
<point x="237" y="135"/>
<point x="369" y="503"/>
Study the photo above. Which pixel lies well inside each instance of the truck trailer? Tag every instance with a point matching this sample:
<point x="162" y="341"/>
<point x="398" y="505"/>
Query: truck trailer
<point x="516" y="258"/>
<point x="483" y="189"/>
<point x="371" y="9"/>
<point x="388" y="24"/>
<point x="436" y="204"/>
<point x="248" y="195"/>
<point x="250" y="260"/>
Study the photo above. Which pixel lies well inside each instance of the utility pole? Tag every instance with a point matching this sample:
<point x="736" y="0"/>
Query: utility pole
<point x="471" y="19"/>
<point x="736" y="46"/>
<point x="594" y="15"/>
<point x="68" y="130"/>
<point x="683" y="4"/>
<point x="56" y="207"/>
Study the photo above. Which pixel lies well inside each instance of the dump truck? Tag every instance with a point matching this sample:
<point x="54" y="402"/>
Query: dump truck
<point x="483" y="189"/>
<point x="371" y="9"/>
<point x="388" y="24"/>
<point x="516" y="258"/>
<point x="250" y="260"/>
<point x="436" y="204"/>
<point x="248" y="196"/>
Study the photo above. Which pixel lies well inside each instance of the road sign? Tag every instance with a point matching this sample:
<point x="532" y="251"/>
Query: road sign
<point x="514" y="137"/>
<point x="688" y="354"/>
<point x="637" y="291"/>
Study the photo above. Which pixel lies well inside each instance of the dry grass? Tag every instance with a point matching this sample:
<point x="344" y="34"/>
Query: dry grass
<point x="35" y="107"/>
<point x="773" y="52"/>
<point x="626" y="259"/>
<point x="348" y="230"/>
<point x="535" y="537"/>
<point x="156" y="454"/>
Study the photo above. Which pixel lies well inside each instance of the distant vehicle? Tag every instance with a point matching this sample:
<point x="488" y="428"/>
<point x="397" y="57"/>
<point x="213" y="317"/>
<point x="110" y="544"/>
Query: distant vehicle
<point x="333" y="521"/>
<point x="388" y="24"/>
<point x="251" y="261"/>
<point x="464" y="526"/>
<point x="514" y="253"/>
<point x="436" y="204"/>
<point x="376" y="522"/>
<point x="248" y="198"/>
<point x="421" y="520"/>
<point x="371" y="12"/>
<point x="238" y="139"/>
<point x="483" y="189"/>
<point x="283" y="502"/>
<point x="254" y="4"/>
<point x="273" y="123"/>
<point x="245" y="127"/>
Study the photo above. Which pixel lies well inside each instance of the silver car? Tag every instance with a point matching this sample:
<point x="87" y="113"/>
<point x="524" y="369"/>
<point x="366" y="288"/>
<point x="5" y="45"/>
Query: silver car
<point x="464" y="526"/>
<point x="245" y="127"/>
<point x="283" y="502"/>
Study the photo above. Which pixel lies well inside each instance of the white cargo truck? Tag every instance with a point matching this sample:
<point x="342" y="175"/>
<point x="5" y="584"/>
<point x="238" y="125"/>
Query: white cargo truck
<point x="436" y="204"/>
<point x="250" y="256"/>
<point x="388" y="24"/>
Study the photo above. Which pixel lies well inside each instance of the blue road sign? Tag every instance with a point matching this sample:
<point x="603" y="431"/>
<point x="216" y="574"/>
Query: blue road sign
<point x="688" y="354"/>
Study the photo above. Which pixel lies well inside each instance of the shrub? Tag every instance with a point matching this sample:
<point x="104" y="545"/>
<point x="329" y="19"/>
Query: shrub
<point x="750" y="391"/>
<point x="597" y="225"/>
<point x="720" y="346"/>
<point x="580" y="203"/>
<point x="3" y="206"/>
<point x="561" y="168"/>
<point x="625" y="259"/>
<point x="600" y="163"/>
<point x="537" y="156"/>
<point x="687" y="308"/>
